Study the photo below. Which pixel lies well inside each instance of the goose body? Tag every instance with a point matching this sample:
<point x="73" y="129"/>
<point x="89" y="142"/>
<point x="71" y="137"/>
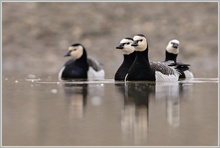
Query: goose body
<point x="171" y="53"/>
<point x="142" y="69"/>
<point x="129" y="56"/>
<point x="80" y="67"/>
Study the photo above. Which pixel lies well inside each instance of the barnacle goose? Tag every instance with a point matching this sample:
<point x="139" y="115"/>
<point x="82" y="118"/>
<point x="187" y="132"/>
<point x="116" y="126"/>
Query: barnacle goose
<point x="80" y="67"/>
<point x="129" y="56"/>
<point x="171" y="53"/>
<point x="142" y="69"/>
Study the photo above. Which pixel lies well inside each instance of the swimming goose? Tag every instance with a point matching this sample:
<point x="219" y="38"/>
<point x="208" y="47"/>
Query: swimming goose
<point x="129" y="56"/>
<point x="80" y="67"/>
<point x="172" y="51"/>
<point x="142" y="69"/>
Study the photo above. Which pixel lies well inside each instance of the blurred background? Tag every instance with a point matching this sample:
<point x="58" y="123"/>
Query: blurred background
<point x="36" y="35"/>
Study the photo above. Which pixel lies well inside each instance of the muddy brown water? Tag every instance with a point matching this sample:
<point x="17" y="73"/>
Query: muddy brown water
<point x="37" y="112"/>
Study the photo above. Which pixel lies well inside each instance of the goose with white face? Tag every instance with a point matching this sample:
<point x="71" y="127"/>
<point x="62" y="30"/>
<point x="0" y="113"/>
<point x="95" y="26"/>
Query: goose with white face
<point x="125" y="46"/>
<point x="81" y="66"/>
<point x="140" y="42"/>
<point x="75" y="50"/>
<point x="173" y="46"/>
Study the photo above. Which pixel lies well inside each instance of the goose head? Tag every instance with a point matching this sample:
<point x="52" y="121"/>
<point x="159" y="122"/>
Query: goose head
<point x="140" y="42"/>
<point x="75" y="50"/>
<point x="173" y="46"/>
<point x="125" y="46"/>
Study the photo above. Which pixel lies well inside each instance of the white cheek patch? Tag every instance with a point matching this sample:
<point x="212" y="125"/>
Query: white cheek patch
<point x="76" y="54"/>
<point x="128" y="49"/>
<point x="170" y="49"/>
<point x="138" y="48"/>
<point x="142" y="45"/>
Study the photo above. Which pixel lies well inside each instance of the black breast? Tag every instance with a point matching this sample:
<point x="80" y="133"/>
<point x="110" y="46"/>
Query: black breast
<point x="75" y="70"/>
<point x="125" y="66"/>
<point x="140" y="69"/>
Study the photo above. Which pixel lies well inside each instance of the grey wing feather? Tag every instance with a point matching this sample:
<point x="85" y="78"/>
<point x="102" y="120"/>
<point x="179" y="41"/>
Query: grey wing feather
<point x="94" y="64"/>
<point x="164" y="69"/>
<point x="169" y="63"/>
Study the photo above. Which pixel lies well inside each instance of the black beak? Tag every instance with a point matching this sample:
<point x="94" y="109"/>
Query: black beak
<point x="120" y="46"/>
<point x="175" y="46"/>
<point x="135" y="43"/>
<point x="68" y="54"/>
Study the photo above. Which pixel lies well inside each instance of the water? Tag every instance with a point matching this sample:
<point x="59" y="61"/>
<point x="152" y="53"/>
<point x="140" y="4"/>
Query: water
<point x="38" y="112"/>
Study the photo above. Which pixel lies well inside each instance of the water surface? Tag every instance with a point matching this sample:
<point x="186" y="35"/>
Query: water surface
<point x="38" y="112"/>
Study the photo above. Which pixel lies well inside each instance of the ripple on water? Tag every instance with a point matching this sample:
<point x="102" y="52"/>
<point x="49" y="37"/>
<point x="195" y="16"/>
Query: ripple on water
<point x="32" y="78"/>
<point x="200" y="80"/>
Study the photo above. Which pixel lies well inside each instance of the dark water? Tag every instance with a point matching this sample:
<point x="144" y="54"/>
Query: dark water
<point x="106" y="113"/>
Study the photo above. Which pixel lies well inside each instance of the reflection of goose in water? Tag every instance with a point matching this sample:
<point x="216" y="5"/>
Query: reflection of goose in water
<point x="76" y="99"/>
<point x="170" y="92"/>
<point x="96" y="93"/>
<point x="134" y="116"/>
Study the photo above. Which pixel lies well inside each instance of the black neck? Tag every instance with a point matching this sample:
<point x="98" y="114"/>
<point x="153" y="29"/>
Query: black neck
<point x="144" y="71"/>
<point x="143" y="55"/>
<point x="83" y="59"/>
<point x="130" y="58"/>
<point x="171" y="56"/>
<point x="141" y="69"/>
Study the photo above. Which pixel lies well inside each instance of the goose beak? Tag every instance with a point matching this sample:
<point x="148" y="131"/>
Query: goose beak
<point x="67" y="54"/>
<point x="120" y="46"/>
<point x="135" y="43"/>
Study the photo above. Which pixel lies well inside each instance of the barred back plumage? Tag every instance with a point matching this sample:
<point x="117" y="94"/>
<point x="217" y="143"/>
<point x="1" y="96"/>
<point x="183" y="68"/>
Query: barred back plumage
<point x="164" y="69"/>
